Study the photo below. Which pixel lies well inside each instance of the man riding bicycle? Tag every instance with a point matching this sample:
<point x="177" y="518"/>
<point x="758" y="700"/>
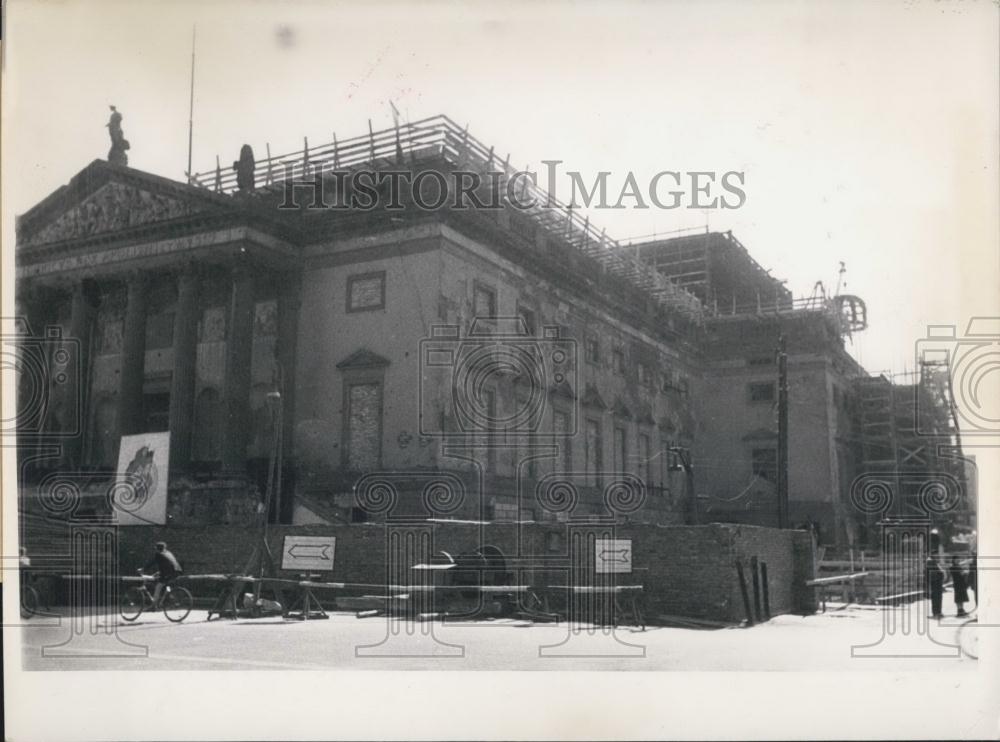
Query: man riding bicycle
<point x="168" y="569"/>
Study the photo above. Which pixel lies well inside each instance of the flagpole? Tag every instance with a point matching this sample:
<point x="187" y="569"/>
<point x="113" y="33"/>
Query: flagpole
<point x="194" y="31"/>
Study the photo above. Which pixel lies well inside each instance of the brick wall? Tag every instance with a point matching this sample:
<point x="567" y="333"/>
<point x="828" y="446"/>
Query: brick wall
<point x="685" y="570"/>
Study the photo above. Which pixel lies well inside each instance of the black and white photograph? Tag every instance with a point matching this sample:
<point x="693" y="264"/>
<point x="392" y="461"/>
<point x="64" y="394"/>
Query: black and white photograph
<point x="468" y="370"/>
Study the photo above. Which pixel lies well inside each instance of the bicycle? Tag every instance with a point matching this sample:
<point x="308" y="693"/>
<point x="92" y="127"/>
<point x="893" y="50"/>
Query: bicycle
<point x="176" y="601"/>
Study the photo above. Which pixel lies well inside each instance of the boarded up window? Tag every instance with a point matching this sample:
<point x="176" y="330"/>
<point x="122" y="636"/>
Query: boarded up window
<point x="364" y="426"/>
<point x="366" y="292"/>
<point x="212" y="328"/>
<point x="265" y="319"/>
<point x="109" y="339"/>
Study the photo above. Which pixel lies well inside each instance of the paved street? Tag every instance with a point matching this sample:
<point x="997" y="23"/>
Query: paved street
<point x="821" y="642"/>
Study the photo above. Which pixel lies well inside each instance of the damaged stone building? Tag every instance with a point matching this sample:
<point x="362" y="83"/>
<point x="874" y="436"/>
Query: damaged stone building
<point x="518" y="351"/>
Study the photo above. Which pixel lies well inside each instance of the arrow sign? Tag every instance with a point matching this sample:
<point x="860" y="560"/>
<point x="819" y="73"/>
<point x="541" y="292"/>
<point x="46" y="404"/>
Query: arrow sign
<point x="613" y="555"/>
<point x="308" y="552"/>
<point x="618" y="555"/>
<point x="302" y="551"/>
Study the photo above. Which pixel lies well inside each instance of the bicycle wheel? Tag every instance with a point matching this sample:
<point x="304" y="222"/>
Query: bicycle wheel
<point x="132" y="603"/>
<point x="177" y="604"/>
<point x="29" y="601"/>
<point x="968" y="638"/>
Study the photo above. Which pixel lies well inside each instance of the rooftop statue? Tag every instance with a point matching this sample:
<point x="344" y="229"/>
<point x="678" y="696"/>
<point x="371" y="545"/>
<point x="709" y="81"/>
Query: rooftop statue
<point x="244" y="168"/>
<point x="119" y="144"/>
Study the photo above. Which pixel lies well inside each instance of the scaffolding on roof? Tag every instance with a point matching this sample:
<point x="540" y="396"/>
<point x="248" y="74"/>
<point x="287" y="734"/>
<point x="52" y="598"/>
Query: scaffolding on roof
<point x="442" y="138"/>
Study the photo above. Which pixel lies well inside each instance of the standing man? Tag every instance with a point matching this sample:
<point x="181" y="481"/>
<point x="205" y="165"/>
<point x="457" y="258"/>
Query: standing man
<point x="973" y="578"/>
<point x="958" y="586"/>
<point x="935" y="575"/>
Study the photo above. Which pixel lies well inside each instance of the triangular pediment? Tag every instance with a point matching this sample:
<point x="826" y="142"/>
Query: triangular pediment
<point x="104" y="199"/>
<point x="363" y="358"/>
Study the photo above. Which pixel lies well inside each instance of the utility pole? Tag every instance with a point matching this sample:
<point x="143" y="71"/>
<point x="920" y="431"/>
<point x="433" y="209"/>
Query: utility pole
<point x="691" y="516"/>
<point x="194" y="36"/>
<point x="782" y="433"/>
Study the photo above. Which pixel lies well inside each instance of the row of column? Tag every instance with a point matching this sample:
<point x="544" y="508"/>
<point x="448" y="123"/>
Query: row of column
<point x="239" y="348"/>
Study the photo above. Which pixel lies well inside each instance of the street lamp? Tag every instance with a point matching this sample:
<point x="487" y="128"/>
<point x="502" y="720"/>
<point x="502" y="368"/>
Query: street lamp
<point x="274" y="473"/>
<point x="690" y="500"/>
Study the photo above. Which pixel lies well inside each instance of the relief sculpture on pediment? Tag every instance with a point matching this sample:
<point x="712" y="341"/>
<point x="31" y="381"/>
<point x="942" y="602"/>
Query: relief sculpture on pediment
<point x="112" y="207"/>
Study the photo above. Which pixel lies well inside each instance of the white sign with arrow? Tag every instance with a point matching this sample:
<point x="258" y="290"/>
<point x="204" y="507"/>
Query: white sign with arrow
<point x="308" y="552"/>
<point x="613" y="555"/>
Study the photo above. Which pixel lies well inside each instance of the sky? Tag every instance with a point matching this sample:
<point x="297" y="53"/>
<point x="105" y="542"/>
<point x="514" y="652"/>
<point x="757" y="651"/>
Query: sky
<point x="867" y="132"/>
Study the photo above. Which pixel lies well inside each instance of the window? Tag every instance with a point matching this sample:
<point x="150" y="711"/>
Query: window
<point x="761" y="361"/>
<point x="644" y="471"/>
<point x="621" y="454"/>
<point x="593" y="450"/>
<point x="528" y="318"/>
<point x="592" y="349"/>
<point x="669" y="380"/>
<point x="364" y="426"/>
<point x="618" y="360"/>
<point x="366" y="292"/>
<point x="484" y="302"/>
<point x="212" y="328"/>
<point x="109" y="337"/>
<point x="265" y="319"/>
<point x="761" y="391"/>
<point x="645" y="375"/>
<point x="560" y="426"/>
<point x="764" y="463"/>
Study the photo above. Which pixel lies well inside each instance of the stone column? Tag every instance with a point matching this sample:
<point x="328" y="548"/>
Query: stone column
<point x="33" y="308"/>
<point x="185" y="357"/>
<point x="130" y="413"/>
<point x="239" y="346"/>
<point x="76" y="390"/>
<point x="35" y="311"/>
